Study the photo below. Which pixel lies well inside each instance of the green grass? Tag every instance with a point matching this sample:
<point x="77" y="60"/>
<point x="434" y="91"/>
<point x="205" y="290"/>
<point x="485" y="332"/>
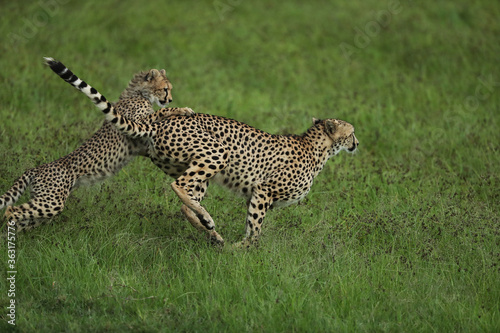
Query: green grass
<point x="403" y="236"/>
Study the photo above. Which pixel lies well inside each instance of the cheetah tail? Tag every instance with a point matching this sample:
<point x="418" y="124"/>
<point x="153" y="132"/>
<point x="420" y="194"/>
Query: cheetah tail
<point x="124" y="125"/>
<point x="12" y="195"/>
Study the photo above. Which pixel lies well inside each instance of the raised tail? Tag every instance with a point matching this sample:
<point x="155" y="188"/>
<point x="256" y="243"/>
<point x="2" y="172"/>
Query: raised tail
<point x="123" y="124"/>
<point x="12" y="195"/>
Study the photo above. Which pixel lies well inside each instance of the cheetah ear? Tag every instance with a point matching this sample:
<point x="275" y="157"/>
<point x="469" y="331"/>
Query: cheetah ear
<point x="151" y="75"/>
<point x="316" y="121"/>
<point x="331" y="125"/>
<point x="162" y="72"/>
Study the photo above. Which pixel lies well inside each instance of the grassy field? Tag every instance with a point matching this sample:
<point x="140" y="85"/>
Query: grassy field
<point x="403" y="236"/>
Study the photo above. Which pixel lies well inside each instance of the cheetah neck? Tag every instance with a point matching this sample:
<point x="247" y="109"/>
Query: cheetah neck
<point x="319" y="145"/>
<point x="132" y="93"/>
<point x="135" y="88"/>
<point x="141" y="107"/>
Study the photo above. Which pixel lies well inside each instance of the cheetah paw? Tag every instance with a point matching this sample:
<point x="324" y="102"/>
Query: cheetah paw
<point x="244" y="244"/>
<point x="216" y="239"/>
<point x="186" y="112"/>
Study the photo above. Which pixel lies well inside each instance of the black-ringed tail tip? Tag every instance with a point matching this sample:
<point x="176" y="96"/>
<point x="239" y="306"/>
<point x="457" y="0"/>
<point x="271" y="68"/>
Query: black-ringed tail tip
<point x="55" y="65"/>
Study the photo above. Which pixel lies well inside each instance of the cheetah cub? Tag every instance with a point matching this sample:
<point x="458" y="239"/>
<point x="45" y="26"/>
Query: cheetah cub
<point x="101" y="156"/>
<point x="269" y="170"/>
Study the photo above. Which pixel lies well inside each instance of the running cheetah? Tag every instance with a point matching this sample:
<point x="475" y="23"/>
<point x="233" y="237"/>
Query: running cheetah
<point x="269" y="170"/>
<point x="101" y="156"/>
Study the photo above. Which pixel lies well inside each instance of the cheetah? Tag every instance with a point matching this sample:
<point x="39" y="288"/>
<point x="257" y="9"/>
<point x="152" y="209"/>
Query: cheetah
<point x="269" y="170"/>
<point x="101" y="156"/>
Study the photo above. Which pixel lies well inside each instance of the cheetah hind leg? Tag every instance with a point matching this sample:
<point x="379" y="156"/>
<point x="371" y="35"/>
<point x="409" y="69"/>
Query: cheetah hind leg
<point x="35" y="212"/>
<point x="191" y="186"/>
<point x="214" y="237"/>
<point x="23" y="225"/>
<point x="192" y="203"/>
<point x="198" y="193"/>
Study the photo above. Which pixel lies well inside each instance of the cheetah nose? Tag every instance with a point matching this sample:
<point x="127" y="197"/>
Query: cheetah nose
<point x="170" y="100"/>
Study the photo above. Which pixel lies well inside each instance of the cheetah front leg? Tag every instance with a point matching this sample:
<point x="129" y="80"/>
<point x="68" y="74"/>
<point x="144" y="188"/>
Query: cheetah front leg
<point x="163" y="113"/>
<point x="259" y="203"/>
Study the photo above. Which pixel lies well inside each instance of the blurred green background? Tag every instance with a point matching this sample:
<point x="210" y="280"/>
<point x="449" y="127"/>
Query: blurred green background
<point x="402" y="236"/>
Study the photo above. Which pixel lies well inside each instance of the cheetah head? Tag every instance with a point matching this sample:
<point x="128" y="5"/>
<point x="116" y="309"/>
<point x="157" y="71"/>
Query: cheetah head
<point x="341" y="133"/>
<point x="155" y="86"/>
